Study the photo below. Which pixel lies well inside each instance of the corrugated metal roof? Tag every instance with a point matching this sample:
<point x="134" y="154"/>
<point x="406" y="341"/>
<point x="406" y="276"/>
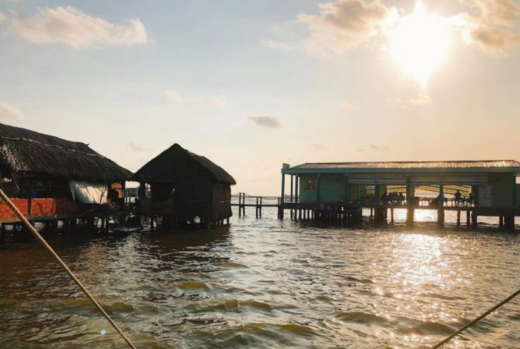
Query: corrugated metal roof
<point x="404" y="165"/>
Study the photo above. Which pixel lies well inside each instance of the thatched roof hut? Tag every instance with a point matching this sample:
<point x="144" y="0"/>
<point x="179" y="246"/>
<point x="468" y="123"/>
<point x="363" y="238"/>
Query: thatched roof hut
<point x="26" y="153"/>
<point x="185" y="185"/>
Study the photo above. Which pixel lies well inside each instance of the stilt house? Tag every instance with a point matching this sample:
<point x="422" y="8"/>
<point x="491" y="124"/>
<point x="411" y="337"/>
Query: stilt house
<point x="51" y="178"/>
<point x="182" y="186"/>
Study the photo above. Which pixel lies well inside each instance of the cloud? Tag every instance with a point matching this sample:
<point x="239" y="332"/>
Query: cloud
<point x="2" y="17"/>
<point x="348" y="107"/>
<point x="279" y="46"/>
<point x="418" y="101"/>
<point x="71" y="27"/>
<point x="372" y="147"/>
<point x="344" y="24"/>
<point x="176" y="97"/>
<point x="376" y="147"/>
<point x="10" y="112"/>
<point x="319" y="147"/>
<point x="138" y="148"/>
<point x="266" y="121"/>
<point x="493" y="30"/>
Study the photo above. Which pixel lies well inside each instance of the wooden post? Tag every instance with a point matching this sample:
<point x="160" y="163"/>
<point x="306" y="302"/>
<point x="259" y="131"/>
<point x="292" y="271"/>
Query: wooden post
<point x="509" y="222"/>
<point x="440" y="216"/>
<point x="409" y="202"/>
<point x="297" y="190"/>
<point x="282" y="198"/>
<point x="474" y="220"/>
<point x="392" y="215"/>
<point x="458" y="218"/>
<point x="29" y="204"/>
<point x="468" y="218"/>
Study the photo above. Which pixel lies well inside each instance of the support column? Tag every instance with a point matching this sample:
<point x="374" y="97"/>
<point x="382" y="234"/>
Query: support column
<point x="318" y="187"/>
<point x="474" y="220"/>
<point x="347" y="190"/>
<point x="282" y="198"/>
<point x="440" y="209"/>
<point x="29" y="204"/>
<point x="409" y="202"/>
<point x="509" y="222"/>
<point x="514" y="190"/>
<point x="297" y="191"/>
<point x="292" y="188"/>
<point x="2" y="233"/>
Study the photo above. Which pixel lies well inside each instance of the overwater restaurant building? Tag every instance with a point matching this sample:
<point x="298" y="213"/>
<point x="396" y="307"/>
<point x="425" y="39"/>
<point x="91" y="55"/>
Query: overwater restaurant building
<point x="492" y="184"/>
<point x="50" y="178"/>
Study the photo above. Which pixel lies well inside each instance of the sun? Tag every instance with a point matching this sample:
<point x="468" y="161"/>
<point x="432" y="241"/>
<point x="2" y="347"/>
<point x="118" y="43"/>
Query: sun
<point x="420" y="44"/>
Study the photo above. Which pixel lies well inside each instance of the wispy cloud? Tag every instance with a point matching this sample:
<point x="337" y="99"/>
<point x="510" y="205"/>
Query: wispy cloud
<point x="266" y="121"/>
<point x="376" y="147"/>
<point x="418" y="101"/>
<point x="493" y="29"/>
<point x="348" y="107"/>
<point x="279" y="46"/>
<point x="71" y="27"/>
<point x="372" y="147"/>
<point x="344" y="24"/>
<point x="176" y="97"/>
<point x="319" y="147"/>
<point x="2" y="17"/>
<point x="10" y="112"/>
<point x="138" y="148"/>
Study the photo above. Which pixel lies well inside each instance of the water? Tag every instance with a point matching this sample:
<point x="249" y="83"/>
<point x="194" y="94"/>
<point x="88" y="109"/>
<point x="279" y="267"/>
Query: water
<point x="265" y="284"/>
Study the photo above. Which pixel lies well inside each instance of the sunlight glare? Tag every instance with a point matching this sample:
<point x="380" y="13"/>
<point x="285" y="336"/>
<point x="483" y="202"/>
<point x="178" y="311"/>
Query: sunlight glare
<point x="420" y="44"/>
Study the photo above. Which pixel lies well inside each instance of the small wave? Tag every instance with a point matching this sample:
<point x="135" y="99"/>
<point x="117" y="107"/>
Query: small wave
<point x="193" y="285"/>
<point x="361" y="318"/>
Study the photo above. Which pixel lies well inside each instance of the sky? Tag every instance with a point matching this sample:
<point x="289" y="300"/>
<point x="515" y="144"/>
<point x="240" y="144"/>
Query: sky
<point x="254" y="84"/>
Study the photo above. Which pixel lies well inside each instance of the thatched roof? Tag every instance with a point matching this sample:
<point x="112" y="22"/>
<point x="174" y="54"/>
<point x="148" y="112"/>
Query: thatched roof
<point x="27" y="153"/>
<point x="170" y="163"/>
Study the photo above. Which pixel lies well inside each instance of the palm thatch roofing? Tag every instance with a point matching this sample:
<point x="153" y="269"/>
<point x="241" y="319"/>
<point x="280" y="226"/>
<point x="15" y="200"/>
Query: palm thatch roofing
<point x="28" y="153"/>
<point x="170" y="163"/>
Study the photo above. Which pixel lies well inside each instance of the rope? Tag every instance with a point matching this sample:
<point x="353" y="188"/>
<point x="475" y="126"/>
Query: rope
<point x="63" y="265"/>
<point x="438" y="345"/>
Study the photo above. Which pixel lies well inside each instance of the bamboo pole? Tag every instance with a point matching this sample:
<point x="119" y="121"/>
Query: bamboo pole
<point x="37" y="235"/>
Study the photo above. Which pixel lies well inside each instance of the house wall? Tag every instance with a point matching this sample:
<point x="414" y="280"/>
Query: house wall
<point x="332" y="188"/>
<point x="41" y="207"/>
<point x="502" y="189"/>
<point x="221" y="202"/>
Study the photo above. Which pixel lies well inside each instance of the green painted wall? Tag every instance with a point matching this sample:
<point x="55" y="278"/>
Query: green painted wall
<point x="502" y="189"/>
<point x="307" y="188"/>
<point x="332" y="188"/>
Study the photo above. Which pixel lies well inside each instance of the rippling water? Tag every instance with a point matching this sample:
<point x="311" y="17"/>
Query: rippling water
<point x="265" y="284"/>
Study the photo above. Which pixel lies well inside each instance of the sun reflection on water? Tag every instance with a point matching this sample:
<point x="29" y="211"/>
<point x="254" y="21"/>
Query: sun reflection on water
<point x="416" y="267"/>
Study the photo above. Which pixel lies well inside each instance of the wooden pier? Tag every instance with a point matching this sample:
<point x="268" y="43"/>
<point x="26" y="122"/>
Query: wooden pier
<point x="352" y="213"/>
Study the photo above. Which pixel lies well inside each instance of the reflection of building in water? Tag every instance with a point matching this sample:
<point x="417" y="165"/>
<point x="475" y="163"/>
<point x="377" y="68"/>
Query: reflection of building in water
<point x="184" y="186"/>
<point x="487" y="188"/>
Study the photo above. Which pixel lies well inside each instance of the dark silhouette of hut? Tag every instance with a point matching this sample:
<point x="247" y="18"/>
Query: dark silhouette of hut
<point x="42" y="172"/>
<point x="183" y="186"/>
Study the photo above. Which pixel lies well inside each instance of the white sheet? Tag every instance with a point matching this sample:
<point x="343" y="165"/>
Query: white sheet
<point x="88" y="192"/>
